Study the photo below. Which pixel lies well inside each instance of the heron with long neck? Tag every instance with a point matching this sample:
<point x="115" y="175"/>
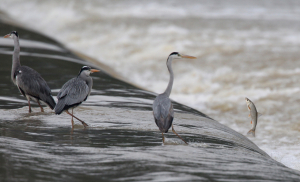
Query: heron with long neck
<point x="29" y="82"/>
<point x="74" y="92"/>
<point x="16" y="54"/>
<point x="162" y="106"/>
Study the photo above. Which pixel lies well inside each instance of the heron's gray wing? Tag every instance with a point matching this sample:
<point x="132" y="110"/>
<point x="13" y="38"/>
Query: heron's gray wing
<point x="65" y="88"/>
<point x="163" y="112"/>
<point x="74" y="91"/>
<point x="161" y="107"/>
<point x="31" y="82"/>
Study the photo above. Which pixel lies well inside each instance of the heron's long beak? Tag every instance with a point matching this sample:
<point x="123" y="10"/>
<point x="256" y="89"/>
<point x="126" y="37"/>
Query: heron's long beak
<point x="189" y="57"/>
<point x="94" y="70"/>
<point x="7" y="36"/>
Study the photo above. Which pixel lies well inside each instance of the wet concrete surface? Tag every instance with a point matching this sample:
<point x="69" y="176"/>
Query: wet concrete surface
<point x="122" y="142"/>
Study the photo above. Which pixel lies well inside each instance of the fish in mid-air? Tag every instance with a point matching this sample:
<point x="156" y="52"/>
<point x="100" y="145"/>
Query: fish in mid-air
<point x="253" y="114"/>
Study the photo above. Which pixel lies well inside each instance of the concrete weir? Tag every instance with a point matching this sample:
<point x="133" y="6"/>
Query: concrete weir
<point x="122" y="142"/>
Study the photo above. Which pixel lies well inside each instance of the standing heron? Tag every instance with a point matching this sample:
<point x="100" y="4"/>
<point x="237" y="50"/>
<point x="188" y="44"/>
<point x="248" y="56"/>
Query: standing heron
<point x="29" y="82"/>
<point x="74" y="92"/>
<point x="162" y="106"/>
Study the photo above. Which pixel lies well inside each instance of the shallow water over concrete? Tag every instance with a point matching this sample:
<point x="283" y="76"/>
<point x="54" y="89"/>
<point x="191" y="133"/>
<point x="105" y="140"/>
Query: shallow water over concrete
<point x="122" y="142"/>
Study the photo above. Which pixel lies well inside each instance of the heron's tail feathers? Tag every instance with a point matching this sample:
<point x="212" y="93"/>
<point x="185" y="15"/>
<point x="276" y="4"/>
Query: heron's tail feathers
<point x="164" y="124"/>
<point x="59" y="108"/>
<point x="251" y="132"/>
<point x="50" y="101"/>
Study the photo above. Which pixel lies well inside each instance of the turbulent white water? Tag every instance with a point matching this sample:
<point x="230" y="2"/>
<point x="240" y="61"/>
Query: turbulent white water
<point x="244" y="49"/>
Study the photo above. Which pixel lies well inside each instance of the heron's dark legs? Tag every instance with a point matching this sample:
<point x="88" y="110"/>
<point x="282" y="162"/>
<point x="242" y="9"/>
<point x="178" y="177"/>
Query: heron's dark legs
<point x="29" y="105"/>
<point x="163" y="137"/>
<point x="83" y="123"/>
<point x="72" y="120"/>
<point x="177" y="134"/>
<point x="42" y="110"/>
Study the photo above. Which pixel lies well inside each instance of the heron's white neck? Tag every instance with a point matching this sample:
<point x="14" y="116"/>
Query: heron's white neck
<point x="16" y="58"/>
<point x="170" y="85"/>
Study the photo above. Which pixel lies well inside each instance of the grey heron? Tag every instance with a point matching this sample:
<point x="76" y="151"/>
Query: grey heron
<point x="74" y="92"/>
<point x="162" y="106"/>
<point x="29" y="82"/>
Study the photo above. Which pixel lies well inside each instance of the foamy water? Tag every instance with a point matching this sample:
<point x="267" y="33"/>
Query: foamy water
<point x="244" y="49"/>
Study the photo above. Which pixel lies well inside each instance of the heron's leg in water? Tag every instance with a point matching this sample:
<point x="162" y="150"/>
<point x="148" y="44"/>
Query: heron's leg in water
<point x="163" y="137"/>
<point x="177" y="134"/>
<point x="42" y="110"/>
<point x="72" y="119"/>
<point x="28" y="98"/>
<point x="83" y="123"/>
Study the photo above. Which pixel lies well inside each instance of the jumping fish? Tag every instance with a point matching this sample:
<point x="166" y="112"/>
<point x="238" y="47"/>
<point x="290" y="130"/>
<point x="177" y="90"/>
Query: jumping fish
<point x="253" y="114"/>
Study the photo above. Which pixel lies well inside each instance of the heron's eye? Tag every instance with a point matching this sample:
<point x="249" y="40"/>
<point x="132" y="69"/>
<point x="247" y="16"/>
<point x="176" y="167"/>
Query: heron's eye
<point x="20" y="71"/>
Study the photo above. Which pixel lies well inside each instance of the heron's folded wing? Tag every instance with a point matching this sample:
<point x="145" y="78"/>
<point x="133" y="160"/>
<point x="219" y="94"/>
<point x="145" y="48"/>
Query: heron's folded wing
<point x="167" y="108"/>
<point x="65" y="88"/>
<point x="162" y="108"/>
<point x="32" y="83"/>
<point x="77" y="92"/>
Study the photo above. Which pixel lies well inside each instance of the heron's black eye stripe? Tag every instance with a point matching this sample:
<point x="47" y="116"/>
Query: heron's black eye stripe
<point x="174" y="53"/>
<point x="85" y="68"/>
<point x="15" y="32"/>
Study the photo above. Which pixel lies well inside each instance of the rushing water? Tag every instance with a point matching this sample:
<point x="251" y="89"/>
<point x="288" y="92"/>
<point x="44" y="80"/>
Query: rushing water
<point x="243" y="49"/>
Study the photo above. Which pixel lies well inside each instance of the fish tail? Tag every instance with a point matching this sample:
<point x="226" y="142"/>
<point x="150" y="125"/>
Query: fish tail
<point x="251" y="131"/>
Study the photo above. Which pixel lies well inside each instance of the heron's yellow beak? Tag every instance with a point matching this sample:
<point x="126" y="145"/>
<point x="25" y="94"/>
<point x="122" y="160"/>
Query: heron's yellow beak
<point x="94" y="70"/>
<point x="189" y="57"/>
<point x="7" y="36"/>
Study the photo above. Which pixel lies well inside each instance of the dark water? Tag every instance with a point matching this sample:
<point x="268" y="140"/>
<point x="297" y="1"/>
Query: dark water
<point x="122" y="142"/>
